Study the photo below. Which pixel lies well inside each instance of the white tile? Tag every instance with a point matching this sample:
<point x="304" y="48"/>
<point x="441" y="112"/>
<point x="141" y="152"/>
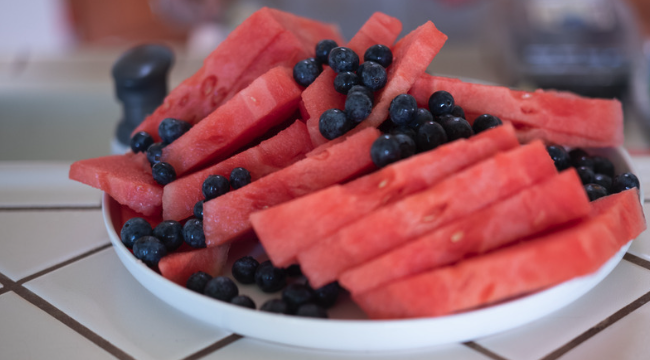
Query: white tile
<point x="249" y="349"/>
<point x="32" y="241"/>
<point x="625" y="284"/>
<point x="642" y="167"/>
<point x="30" y="184"/>
<point x="625" y="339"/>
<point x="26" y="332"/>
<point x="102" y="295"/>
<point x="641" y="245"/>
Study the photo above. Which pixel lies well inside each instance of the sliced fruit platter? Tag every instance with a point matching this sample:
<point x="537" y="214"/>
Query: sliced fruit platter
<point x="313" y="192"/>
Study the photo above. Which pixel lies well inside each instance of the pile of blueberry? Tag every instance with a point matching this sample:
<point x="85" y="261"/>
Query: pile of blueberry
<point x="169" y="130"/>
<point x="412" y="129"/>
<point x="217" y="185"/>
<point x="597" y="173"/>
<point x="297" y="298"/>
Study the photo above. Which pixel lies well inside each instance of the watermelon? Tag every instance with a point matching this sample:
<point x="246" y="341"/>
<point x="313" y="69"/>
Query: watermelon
<point x="320" y="95"/>
<point x="458" y="196"/>
<point x="332" y="208"/>
<point x="266" y="102"/>
<point x="227" y="217"/>
<point x="537" y="263"/>
<point x="179" y="266"/>
<point x="124" y="178"/>
<point x="266" y="39"/>
<point x="555" y="201"/>
<point x="555" y="117"/>
<point x="287" y="147"/>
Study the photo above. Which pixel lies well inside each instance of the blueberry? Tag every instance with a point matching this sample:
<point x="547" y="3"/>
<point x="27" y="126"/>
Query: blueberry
<point x="403" y="109"/>
<point x="385" y="150"/>
<point x="306" y="71"/>
<point x="344" y="81"/>
<point x="171" y="129"/>
<point x="343" y="59"/>
<point x="603" y="166"/>
<point x="595" y="191"/>
<point x="333" y="123"/>
<point x="170" y="233"/>
<point x="586" y="175"/>
<point x="357" y="107"/>
<point x="327" y="295"/>
<point x="484" y="122"/>
<point x="270" y="278"/>
<point x="296" y="295"/>
<point x="560" y="157"/>
<point x="243" y="270"/>
<point x="380" y="54"/>
<point x="243" y="300"/>
<point x="582" y="160"/>
<point x="360" y="71"/>
<point x="239" y="177"/>
<point x="312" y="310"/>
<point x="456" y="128"/>
<point x="294" y="270"/>
<point x="134" y="229"/>
<point x="163" y="173"/>
<point x="604" y="181"/>
<point x="198" y="209"/>
<point x="406" y="130"/>
<point x="421" y="116"/>
<point x="154" y="153"/>
<point x="407" y="146"/>
<point x="215" y="186"/>
<point x="441" y="103"/>
<point x="430" y="136"/>
<point x="193" y="233"/>
<point x="276" y="306"/>
<point x="364" y="90"/>
<point x="141" y="141"/>
<point x="624" y="181"/>
<point x="458" y="111"/>
<point x="323" y="49"/>
<point x="197" y="281"/>
<point x="374" y="76"/>
<point x="221" y="288"/>
<point x="576" y="154"/>
<point x="149" y="249"/>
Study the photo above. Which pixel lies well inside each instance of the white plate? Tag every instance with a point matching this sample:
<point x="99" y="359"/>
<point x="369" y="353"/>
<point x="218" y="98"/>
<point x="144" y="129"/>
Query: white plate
<point x="348" y="329"/>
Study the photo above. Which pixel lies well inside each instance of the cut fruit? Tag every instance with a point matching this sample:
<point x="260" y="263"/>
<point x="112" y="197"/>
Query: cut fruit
<point x="553" y="202"/>
<point x="555" y="117"/>
<point x="178" y="267"/>
<point x="266" y="102"/>
<point x="321" y="96"/>
<point x="124" y="178"/>
<point x="267" y="39"/>
<point x="572" y="251"/>
<point x="280" y="151"/>
<point x="227" y="217"/>
<point x="458" y="196"/>
<point x="319" y="215"/>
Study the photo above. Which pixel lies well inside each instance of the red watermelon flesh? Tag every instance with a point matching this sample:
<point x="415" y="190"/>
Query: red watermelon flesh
<point x="282" y="150"/>
<point x="555" y="117"/>
<point x="555" y="201"/>
<point x="266" y="39"/>
<point x="227" y="217"/>
<point x="458" y="196"/>
<point x="178" y="267"/>
<point x="543" y="261"/>
<point x="266" y="102"/>
<point x="339" y="205"/>
<point x="320" y="95"/>
<point x="122" y="177"/>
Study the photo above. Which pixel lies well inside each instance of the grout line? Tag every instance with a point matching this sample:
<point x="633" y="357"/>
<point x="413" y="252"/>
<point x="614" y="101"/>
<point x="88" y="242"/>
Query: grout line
<point x="637" y="260"/>
<point x="64" y="263"/>
<point x="214" y="347"/>
<point x="50" y="208"/>
<point x="476" y="347"/>
<point x="599" y="327"/>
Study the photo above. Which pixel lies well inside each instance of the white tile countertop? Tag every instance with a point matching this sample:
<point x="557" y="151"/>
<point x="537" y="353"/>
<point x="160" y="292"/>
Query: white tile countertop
<point x="65" y="295"/>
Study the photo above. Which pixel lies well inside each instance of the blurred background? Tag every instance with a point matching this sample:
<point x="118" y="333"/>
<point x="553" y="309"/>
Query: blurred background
<point x="57" y="98"/>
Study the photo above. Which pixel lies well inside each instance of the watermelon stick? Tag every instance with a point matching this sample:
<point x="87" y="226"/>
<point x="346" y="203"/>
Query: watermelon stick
<point x="531" y="265"/>
<point x="555" y="201"/>
<point x="460" y="195"/>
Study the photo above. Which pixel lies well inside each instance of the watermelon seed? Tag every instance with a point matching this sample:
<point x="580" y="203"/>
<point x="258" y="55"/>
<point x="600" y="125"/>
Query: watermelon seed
<point x="457" y="237"/>
<point x="383" y="184"/>
<point x="254" y="99"/>
<point x="428" y="218"/>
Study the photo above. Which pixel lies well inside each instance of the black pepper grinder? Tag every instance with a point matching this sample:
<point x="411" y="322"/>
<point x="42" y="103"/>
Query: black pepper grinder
<point x="140" y="76"/>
